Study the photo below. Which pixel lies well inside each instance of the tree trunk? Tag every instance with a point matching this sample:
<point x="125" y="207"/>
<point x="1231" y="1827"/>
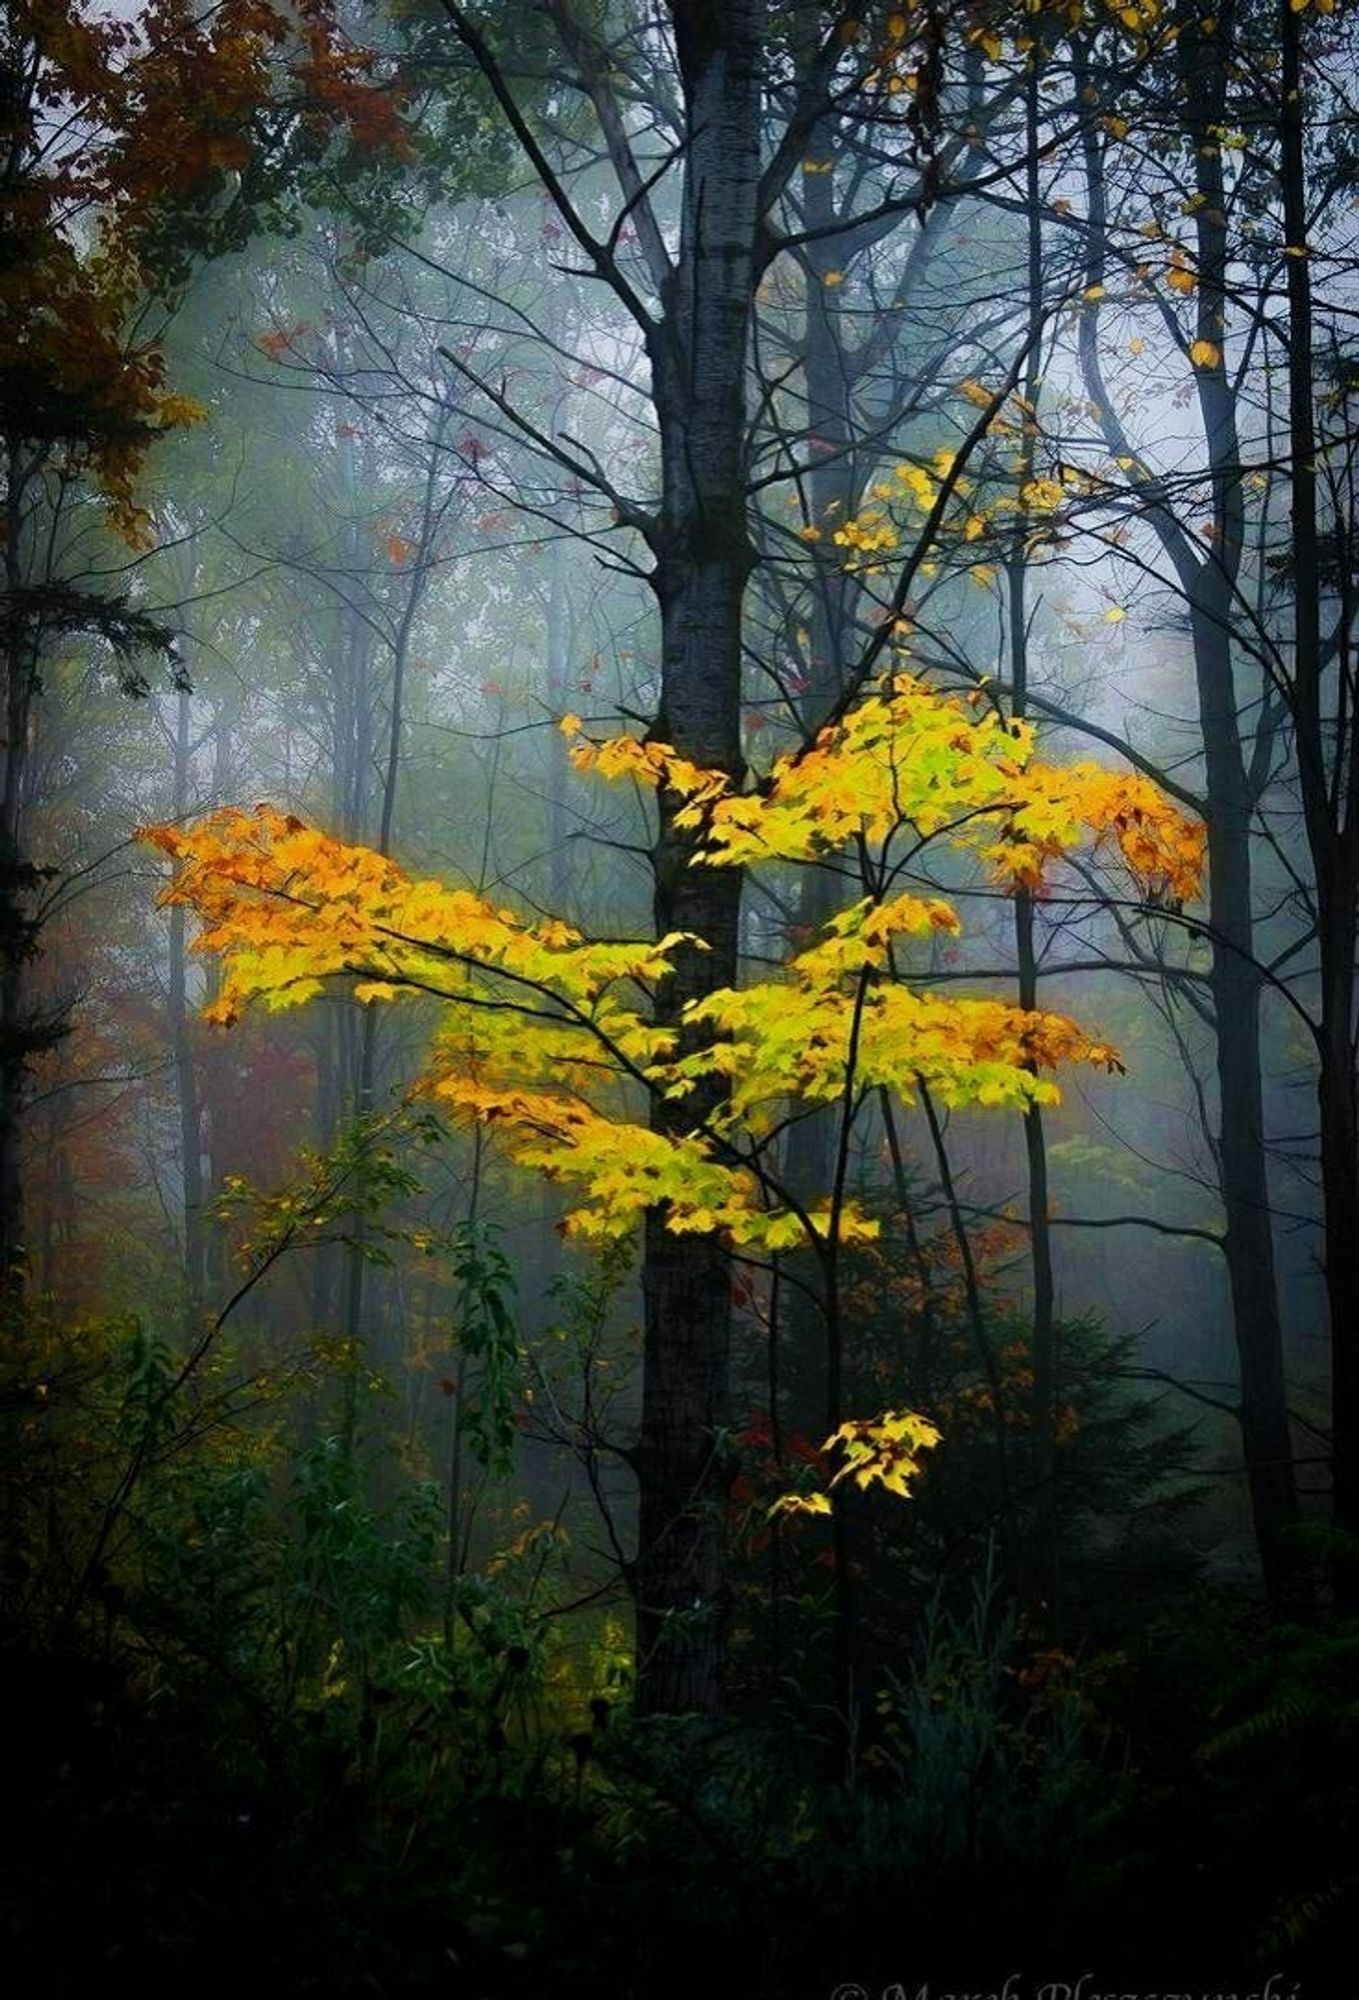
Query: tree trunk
<point x="1236" y="981"/>
<point x="703" y="561"/>
<point x="186" y="1068"/>
<point x="17" y="930"/>
<point x="1207" y="583"/>
<point x="1045" y="1554"/>
<point x="213" y="1084"/>
<point x="1329" y="786"/>
<point x="814" y="1366"/>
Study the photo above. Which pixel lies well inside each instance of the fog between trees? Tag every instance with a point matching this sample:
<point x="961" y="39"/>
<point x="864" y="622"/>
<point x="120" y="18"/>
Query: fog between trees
<point x="405" y="404"/>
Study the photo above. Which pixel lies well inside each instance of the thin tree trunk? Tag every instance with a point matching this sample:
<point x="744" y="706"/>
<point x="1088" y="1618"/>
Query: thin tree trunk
<point x="358" y="1038"/>
<point x="365" y="1094"/>
<point x="1235" y="981"/>
<point x="185" y="1064"/>
<point x="1046" y="1549"/>
<point x="830" y="487"/>
<point x="16" y="929"/>
<point x="215" y="1248"/>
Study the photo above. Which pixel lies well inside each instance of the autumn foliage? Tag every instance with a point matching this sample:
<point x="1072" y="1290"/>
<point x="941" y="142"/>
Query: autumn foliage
<point x="134" y="144"/>
<point x="548" y="1035"/>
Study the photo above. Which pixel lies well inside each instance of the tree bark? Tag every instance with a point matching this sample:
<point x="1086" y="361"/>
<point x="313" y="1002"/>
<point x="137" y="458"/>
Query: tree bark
<point x="1045" y="1555"/>
<point x="186" y="1068"/>
<point x="20" y="1035"/>
<point x="1329" y="785"/>
<point x="703" y="561"/>
<point x="1236" y="981"/>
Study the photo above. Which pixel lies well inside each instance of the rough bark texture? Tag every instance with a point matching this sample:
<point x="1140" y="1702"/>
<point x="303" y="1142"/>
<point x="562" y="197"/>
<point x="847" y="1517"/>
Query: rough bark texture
<point x="703" y="561"/>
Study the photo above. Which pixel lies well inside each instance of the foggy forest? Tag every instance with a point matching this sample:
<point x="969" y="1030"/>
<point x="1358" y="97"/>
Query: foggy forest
<point x="679" y="902"/>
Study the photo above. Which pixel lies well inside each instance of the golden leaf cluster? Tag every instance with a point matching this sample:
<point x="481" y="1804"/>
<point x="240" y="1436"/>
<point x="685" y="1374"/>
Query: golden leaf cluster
<point x="549" y="1037"/>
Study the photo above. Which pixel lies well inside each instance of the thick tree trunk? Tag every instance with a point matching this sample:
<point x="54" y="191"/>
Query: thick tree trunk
<point x="703" y="562"/>
<point x="1329" y="784"/>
